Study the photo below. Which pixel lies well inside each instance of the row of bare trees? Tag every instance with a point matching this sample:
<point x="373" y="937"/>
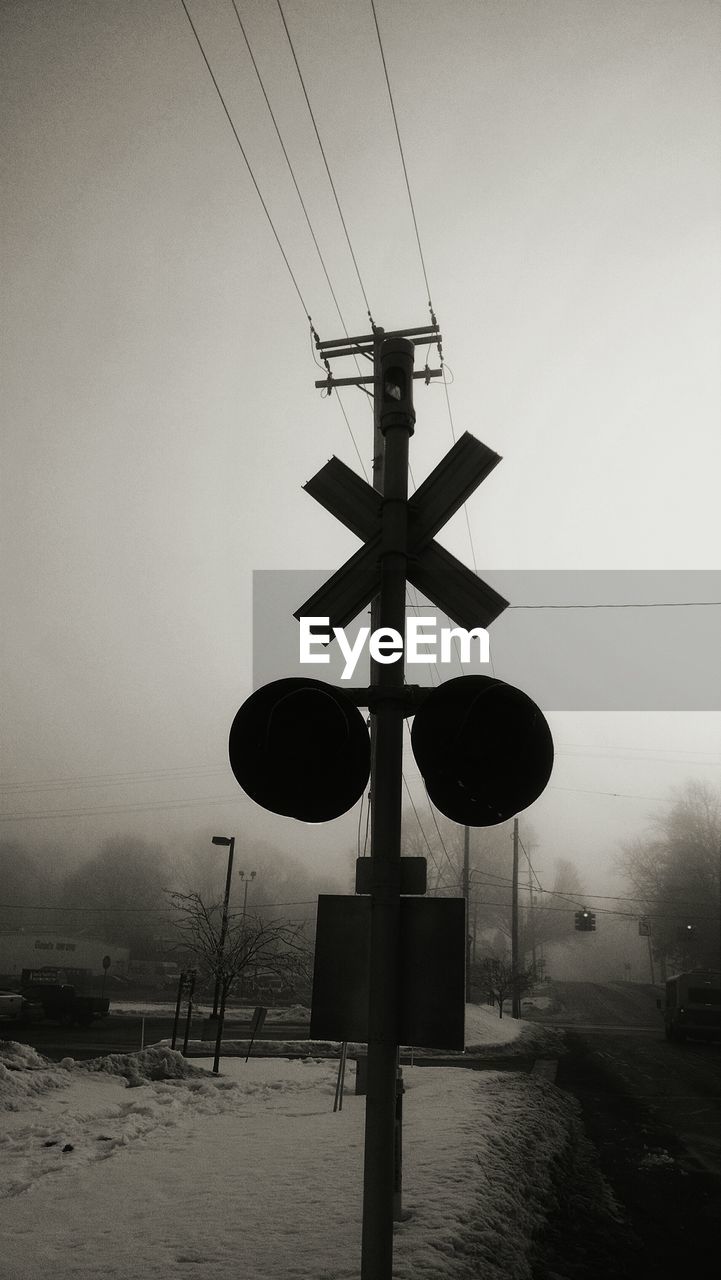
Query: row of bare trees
<point x="130" y="890"/>
<point x="675" y="872"/>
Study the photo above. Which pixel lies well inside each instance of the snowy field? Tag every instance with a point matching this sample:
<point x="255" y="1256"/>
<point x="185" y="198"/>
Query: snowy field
<point x="111" y="1168"/>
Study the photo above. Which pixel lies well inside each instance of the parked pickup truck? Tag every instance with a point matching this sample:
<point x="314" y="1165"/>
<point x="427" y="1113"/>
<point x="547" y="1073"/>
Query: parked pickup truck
<point x="61" y="1002"/>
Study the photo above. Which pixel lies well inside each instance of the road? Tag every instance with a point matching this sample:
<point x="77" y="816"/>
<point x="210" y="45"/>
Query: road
<point x="679" y="1084"/>
<point x="653" y="1113"/>
<point x="124" y="1033"/>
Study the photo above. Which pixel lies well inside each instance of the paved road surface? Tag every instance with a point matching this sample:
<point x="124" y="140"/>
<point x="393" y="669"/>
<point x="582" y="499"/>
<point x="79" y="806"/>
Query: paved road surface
<point x="653" y="1112"/>
<point x="123" y="1033"/>
<point x="679" y="1084"/>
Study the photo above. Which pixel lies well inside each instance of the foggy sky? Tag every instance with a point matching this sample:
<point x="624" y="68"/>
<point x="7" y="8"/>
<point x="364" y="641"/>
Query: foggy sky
<point x="160" y="414"/>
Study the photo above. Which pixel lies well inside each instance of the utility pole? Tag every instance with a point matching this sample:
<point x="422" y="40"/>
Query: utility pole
<point x="398" y="546"/>
<point x="531" y="919"/>
<point x="650" y="959"/>
<point x="467" y="896"/>
<point x="391" y="434"/>
<point x="386" y="781"/>
<point x="515" y="999"/>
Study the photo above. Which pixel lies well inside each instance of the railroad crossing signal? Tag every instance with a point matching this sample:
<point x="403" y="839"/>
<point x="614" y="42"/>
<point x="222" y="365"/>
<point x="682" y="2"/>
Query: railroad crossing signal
<point x="440" y="576"/>
<point x="300" y="747"/>
<point x="484" y="749"/>
<point x="267" y="738"/>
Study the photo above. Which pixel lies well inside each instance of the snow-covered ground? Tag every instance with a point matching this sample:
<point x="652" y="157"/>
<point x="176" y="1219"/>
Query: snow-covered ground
<point x="111" y="1168"/>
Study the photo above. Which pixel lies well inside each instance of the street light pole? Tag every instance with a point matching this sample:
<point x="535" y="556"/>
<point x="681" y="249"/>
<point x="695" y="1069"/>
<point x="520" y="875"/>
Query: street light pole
<point x="245" y="894"/>
<point x="229" y="842"/>
<point x="245" y="911"/>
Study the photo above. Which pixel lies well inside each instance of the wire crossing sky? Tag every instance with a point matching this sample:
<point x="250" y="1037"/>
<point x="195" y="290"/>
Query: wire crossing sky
<point x="551" y="170"/>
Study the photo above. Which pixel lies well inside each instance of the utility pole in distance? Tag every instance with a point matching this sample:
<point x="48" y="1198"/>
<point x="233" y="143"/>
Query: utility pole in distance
<point x="515" y="998"/>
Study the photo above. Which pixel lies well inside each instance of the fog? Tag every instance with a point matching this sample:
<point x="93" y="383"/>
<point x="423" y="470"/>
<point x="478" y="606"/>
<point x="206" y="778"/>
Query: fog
<point x="161" y="417"/>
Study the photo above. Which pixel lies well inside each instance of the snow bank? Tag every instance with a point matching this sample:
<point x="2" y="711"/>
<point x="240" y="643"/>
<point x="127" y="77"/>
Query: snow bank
<point x="253" y="1174"/>
<point x="157" y="1062"/>
<point x="24" y="1074"/>
<point x="487" y="1033"/>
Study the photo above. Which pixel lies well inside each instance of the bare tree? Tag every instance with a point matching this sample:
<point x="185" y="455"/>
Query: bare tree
<point x="676" y="872"/>
<point x="496" y="976"/>
<point x="278" y="945"/>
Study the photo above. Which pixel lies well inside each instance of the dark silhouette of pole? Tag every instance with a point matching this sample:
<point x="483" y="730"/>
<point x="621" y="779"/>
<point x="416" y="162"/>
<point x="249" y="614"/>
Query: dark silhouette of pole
<point x="515" y="998"/>
<point x="467" y="896"/>
<point x="228" y="841"/>
<point x="245" y="891"/>
<point x="245" y="911"/>
<point x="532" y="919"/>
<point x="393" y="430"/>
<point x="176" y="1020"/>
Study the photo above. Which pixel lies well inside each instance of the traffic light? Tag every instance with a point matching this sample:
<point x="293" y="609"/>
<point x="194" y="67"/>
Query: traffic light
<point x="301" y="748"/>
<point x="586" y="921"/>
<point x="397" y="384"/>
<point x="484" y="749"/>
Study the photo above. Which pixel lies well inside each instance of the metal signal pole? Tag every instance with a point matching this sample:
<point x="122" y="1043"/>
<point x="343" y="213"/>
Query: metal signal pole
<point x="467" y="896"/>
<point x="393" y="419"/>
<point x="532" y="919"/>
<point x="390" y="463"/>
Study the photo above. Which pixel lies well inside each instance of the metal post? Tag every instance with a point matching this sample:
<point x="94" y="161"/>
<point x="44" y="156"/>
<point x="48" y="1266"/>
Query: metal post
<point x="532" y="920"/>
<point x="219" y="1033"/>
<point x="181" y="985"/>
<point x="515" y="998"/>
<point x="188" y="1019"/>
<point x="224" y="921"/>
<point x="467" y="896"/>
<point x="398" y="1137"/>
<point x="386" y="781"/>
<point x="650" y="958"/>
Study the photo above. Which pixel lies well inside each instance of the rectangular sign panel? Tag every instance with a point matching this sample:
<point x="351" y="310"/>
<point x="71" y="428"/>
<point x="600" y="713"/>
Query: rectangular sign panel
<point x="431" y="966"/>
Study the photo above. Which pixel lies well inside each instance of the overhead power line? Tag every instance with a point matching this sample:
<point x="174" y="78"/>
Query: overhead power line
<point x="93" y="781"/>
<point x="321" y="259"/>
<point x="290" y="166"/>
<point x="655" y="604"/>
<point x="605" y="911"/>
<point x="622" y="795"/>
<point x="119" y="808"/>
<point x="247" y="161"/>
<point x="325" y="162"/>
<point x="420" y="825"/>
<point x="403" y="159"/>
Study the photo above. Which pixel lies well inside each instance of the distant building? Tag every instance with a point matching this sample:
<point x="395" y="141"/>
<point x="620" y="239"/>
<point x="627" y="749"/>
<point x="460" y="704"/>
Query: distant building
<point x="41" y="949"/>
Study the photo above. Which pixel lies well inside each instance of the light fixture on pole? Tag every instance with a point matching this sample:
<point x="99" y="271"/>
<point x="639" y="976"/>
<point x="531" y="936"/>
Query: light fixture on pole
<point x="251" y="876"/>
<point x="229" y="843"/>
